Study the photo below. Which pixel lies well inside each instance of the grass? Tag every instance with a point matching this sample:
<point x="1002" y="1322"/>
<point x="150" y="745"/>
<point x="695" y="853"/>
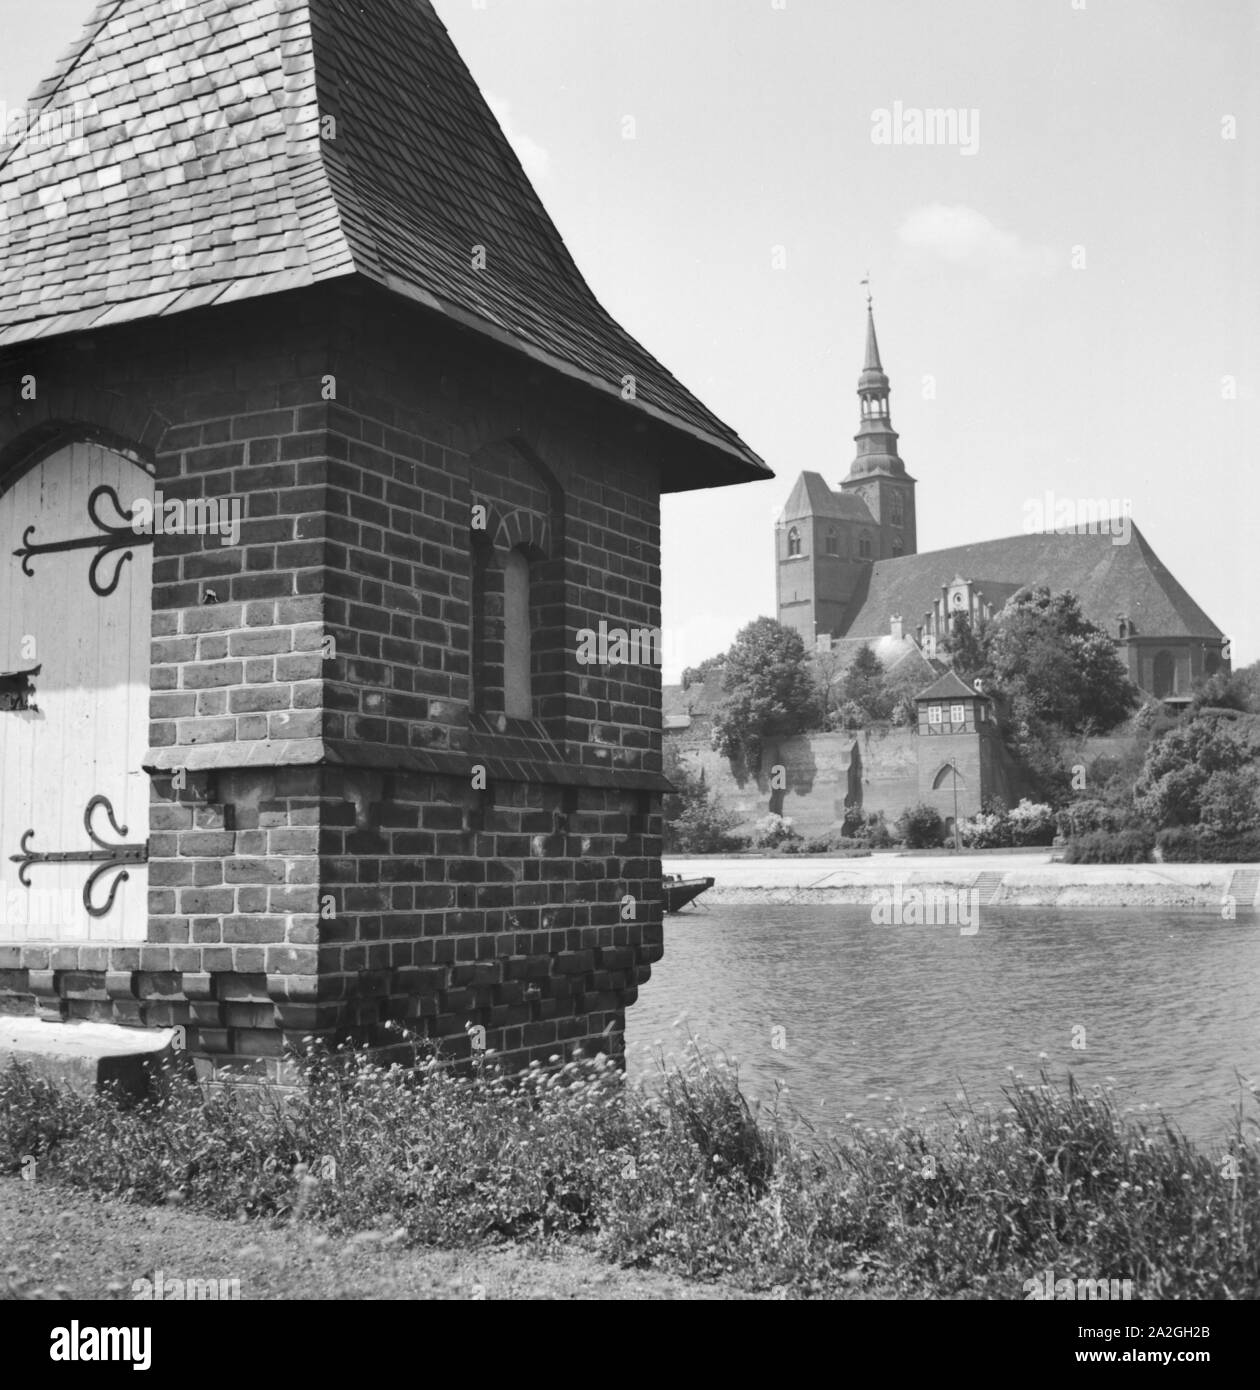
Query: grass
<point x="684" y="1175"/>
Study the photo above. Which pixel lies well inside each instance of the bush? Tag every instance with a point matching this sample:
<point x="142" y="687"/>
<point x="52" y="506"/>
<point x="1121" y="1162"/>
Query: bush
<point x="1031" y="823"/>
<point x="921" y="827"/>
<point x="776" y="832"/>
<point x="695" y="819"/>
<point x="876" y="831"/>
<point x="1193" y="844"/>
<point x="986" y="831"/>
<point x="1090" y="813"/>
<point x="867" y="828"/>
<point x="1111" y="847"/>
<point x="835" y="843"/>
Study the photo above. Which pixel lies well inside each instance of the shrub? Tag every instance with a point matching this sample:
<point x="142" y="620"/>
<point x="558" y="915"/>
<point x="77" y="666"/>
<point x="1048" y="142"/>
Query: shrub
<point x="775" y="832"/>
<point x="1032" y="823"/>
<point x="835" y="843"/>
<point x="877" y="833"/>
<point x="1149" y="714"/>
<point x="1111" y="847"/>
<point x="985" y="832"/>
<point x="1193" y="844"/>
<point x="1202" y="771"/>
<point x="921" y="827"/>
<point x="695" y="819"/>
<point x="1090" y="813"/>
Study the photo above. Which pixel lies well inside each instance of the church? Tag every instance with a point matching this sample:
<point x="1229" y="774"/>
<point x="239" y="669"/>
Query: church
<point x="849" y="572"/>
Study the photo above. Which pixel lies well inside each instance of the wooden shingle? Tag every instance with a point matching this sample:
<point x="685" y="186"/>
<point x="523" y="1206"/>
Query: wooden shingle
<point x="183" y="160"/>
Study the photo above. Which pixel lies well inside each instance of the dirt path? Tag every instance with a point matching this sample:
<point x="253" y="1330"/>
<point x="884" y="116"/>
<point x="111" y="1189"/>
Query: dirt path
<point x="73" y="1246"/>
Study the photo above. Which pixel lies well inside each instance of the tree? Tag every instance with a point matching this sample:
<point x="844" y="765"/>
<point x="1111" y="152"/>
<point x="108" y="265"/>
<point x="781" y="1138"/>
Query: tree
<point x="1238" y="690"/>
<point x="1058" y="670"/>
<point x="966" y="647"/>
<point x="901" y="685"/>
<point x="863" y="685"/>
<point x="695" y="820"/>
<point x="826" y="666"/>
<point x="1203" y="771"/>
<point x="769" y="692"/>
<point x="696" y="675"/>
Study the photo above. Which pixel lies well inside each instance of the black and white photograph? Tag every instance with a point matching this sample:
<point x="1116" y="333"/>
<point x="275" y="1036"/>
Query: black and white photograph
<point x="629" y="669"/>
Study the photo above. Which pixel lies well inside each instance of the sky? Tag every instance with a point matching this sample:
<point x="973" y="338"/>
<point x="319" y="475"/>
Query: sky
<point x="1067" y="295"/>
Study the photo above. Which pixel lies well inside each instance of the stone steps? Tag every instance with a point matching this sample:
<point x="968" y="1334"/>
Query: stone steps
<point x="988" y="887"/>
<point x="1244" y="886"/>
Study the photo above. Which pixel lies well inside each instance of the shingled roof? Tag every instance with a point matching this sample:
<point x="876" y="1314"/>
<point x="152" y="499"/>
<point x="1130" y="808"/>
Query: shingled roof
<point x="200" y="173"/>
<point x="949" y="686"/>
<point x="1109" y="580"/>
<point x="812" y="497"/>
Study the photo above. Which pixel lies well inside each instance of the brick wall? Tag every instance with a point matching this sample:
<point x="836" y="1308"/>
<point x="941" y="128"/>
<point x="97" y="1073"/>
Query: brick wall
<point x="822" y="770"/>
<point x="338" y="841"/>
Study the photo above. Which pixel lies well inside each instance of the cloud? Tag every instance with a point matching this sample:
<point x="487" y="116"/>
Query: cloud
<point x="965" y="237"/>
<point x="535" y="160"/>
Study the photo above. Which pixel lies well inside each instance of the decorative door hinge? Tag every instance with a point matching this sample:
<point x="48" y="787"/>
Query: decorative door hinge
<point x="108" y="858"/>
<point x="109" y="541"/>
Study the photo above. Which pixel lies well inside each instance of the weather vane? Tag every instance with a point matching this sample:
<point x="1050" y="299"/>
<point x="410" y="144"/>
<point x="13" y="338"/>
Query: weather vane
<point x="867" y="282"/>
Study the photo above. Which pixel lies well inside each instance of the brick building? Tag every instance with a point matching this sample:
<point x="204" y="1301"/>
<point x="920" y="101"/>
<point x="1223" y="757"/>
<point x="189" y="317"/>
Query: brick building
<point x="847" y="566"/>
<point x="962" y="760"/>
<point x="342" y="768"/>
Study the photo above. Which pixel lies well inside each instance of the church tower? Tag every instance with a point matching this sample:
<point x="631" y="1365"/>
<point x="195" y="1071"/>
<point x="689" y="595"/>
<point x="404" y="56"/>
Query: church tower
<point x="878" y="475"/>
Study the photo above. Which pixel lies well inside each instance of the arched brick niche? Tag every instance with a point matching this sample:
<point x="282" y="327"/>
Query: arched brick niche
<point x="519" y="627"/>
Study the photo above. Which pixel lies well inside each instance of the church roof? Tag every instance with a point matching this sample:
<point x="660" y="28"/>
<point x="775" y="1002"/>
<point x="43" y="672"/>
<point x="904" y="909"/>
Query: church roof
<point x="200" y="172"/>
<point x="1109" y="580"/>
<point x="812" y="497"/>
<point x="890" y="650"/>
<point x="949" y="686"/>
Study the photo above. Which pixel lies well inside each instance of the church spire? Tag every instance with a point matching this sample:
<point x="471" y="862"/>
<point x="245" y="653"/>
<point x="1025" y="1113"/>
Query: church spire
<point x="876" y="439"/>
<point x="877" y="477"/>
<point x="872" y="363"/>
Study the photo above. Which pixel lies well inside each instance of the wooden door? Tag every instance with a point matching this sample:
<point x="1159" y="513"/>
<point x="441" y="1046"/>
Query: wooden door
<point x="75" y="601"/>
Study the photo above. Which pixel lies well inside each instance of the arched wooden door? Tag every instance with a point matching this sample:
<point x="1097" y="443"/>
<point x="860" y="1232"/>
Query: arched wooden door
<point x="75" y="601"/>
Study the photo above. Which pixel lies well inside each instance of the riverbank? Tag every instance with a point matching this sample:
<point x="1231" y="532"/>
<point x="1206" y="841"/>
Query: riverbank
<point x="1004" y="879"/>
<point x="355" y="1186"/>
<point x="63" y="1244"/>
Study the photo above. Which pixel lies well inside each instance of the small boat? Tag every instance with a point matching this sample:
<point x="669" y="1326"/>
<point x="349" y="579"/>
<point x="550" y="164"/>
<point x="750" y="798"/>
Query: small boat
<point x="681" y="891"/>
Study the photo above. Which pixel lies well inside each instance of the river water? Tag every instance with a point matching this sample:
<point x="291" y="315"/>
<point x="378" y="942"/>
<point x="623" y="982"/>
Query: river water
<point x="852" y="1017"/>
